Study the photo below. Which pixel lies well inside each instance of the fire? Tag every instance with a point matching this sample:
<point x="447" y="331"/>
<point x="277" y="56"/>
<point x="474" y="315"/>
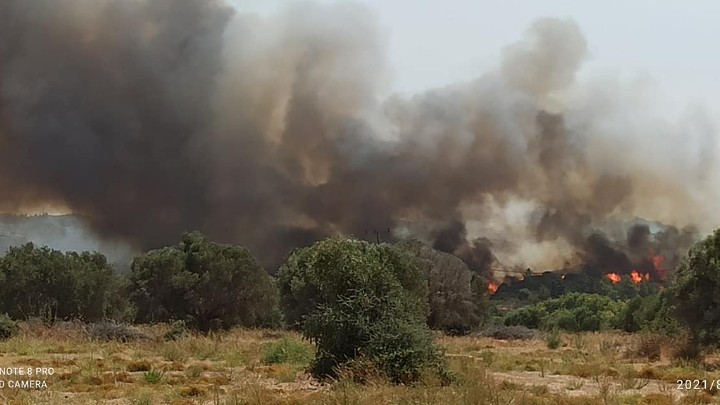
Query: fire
<point x="492" y="287"/>
<point x="658" y="262"/>
<point x="636" y="277"/>
<point x="613" y="277"/>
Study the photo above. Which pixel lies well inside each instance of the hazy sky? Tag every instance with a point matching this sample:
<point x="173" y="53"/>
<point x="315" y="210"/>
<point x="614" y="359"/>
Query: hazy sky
<point x="673" y="44"/>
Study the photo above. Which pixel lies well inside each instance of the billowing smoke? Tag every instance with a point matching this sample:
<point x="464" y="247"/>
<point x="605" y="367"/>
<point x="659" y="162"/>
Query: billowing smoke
<point x="150" y="118"/>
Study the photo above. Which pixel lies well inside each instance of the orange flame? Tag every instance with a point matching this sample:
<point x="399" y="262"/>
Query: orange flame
<point x="613" y="277"/>
<point x="658" y="263"/>
<point x="636" y="277"/>
<point x="492" y="287"/>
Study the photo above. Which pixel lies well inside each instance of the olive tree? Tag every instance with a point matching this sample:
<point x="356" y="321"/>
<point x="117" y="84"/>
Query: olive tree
<point x="360" y="302"/>
<point x="42" y="282"/>
<point x="696" y="290"/>
<point x="206" y="284"/>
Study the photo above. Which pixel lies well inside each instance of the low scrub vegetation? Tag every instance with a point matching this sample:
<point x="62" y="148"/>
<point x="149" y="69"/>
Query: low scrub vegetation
<point x="287" y="351"/>
<point x="574" y="312"/>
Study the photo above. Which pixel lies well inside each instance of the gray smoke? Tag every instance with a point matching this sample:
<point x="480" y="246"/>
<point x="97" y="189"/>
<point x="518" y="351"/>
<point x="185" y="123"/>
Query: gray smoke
<point x="150" y="118"/>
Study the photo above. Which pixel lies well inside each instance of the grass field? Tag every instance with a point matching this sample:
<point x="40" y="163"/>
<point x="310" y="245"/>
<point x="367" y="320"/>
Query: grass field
<point x="268" y="367"/>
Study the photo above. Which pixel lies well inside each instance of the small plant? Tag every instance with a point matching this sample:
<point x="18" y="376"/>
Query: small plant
<point x="136" y="366"/>
<point x="153" y="376"/>
<point x="178" y="330"/>
<point x="631" y="383"/>
<point x="8" y="327"/>
<point x="579" y="341"/>
<point x="142" y="399"/>
<point x="194" y="371"/>
<point x="608" y="347"/>
<point x="553" y="339"/>
<point x="575" y="385"/>
<point x="649" y="346"/>
<point x="287" y="351"/>
<point x="173" y="352"/>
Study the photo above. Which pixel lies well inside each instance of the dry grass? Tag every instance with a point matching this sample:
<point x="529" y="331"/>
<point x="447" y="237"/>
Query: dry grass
<point x="232" y="368"/>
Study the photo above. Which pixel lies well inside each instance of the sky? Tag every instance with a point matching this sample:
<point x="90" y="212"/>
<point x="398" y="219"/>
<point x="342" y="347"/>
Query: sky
<point x="432" y="43"/>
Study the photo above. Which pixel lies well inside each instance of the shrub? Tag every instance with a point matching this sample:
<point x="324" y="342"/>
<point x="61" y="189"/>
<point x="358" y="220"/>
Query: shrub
<point x="574" y="312"/>
<point x="8" y="327"/>
<point x="178" y="330"/>
<point x="360" y="302"/>
<point x="553" y="339"/>
<point x="287" y="351"/>
<point x="509" y="333"/>
<point x="152" y="376"/>
<point x="652" y="313"/>
<point x="649" y="345"/>
<point x="109" y="330"/>
<point x="209" y="285"/>
<point x="531" y="316"/>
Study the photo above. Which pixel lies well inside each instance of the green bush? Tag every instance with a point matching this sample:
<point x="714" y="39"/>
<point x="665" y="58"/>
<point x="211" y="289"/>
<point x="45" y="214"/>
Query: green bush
<point x="574" y="312"/>
<point x="208" y="285"/>
<point x="360" y="303"/>
<point x="531" y="316"/>
<point x="652" y="313"/>
<point x="8" y="327"/>
<point x="287" y="351"/>
<point x="553" y="340"/>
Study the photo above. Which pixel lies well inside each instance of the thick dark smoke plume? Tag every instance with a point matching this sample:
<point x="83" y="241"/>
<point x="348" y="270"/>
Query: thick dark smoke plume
<point x="150" y="118"/>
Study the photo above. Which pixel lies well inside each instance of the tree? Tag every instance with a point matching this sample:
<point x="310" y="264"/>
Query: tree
<point x="696" y="289"/>
<point x="318" y="275"/>
<point x="206" y="284"/>
<point x="455" y="305"/>
<point x="39" y="281"/>
<point x="360" y="302"/>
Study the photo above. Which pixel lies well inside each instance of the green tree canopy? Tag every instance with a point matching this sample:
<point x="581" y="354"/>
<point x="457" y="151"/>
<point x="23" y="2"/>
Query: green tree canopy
<point x="206" y="284"/>
<point x="360" y="302"/>
<point x="456" y="295"/>
<point x="39" y="281"/>
<point x="695" y="292"/>
<point x="332" y="268"/>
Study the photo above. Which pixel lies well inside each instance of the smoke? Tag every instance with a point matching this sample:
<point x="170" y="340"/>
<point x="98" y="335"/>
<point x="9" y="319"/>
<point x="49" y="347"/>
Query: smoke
<point x="150" y="118"/>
